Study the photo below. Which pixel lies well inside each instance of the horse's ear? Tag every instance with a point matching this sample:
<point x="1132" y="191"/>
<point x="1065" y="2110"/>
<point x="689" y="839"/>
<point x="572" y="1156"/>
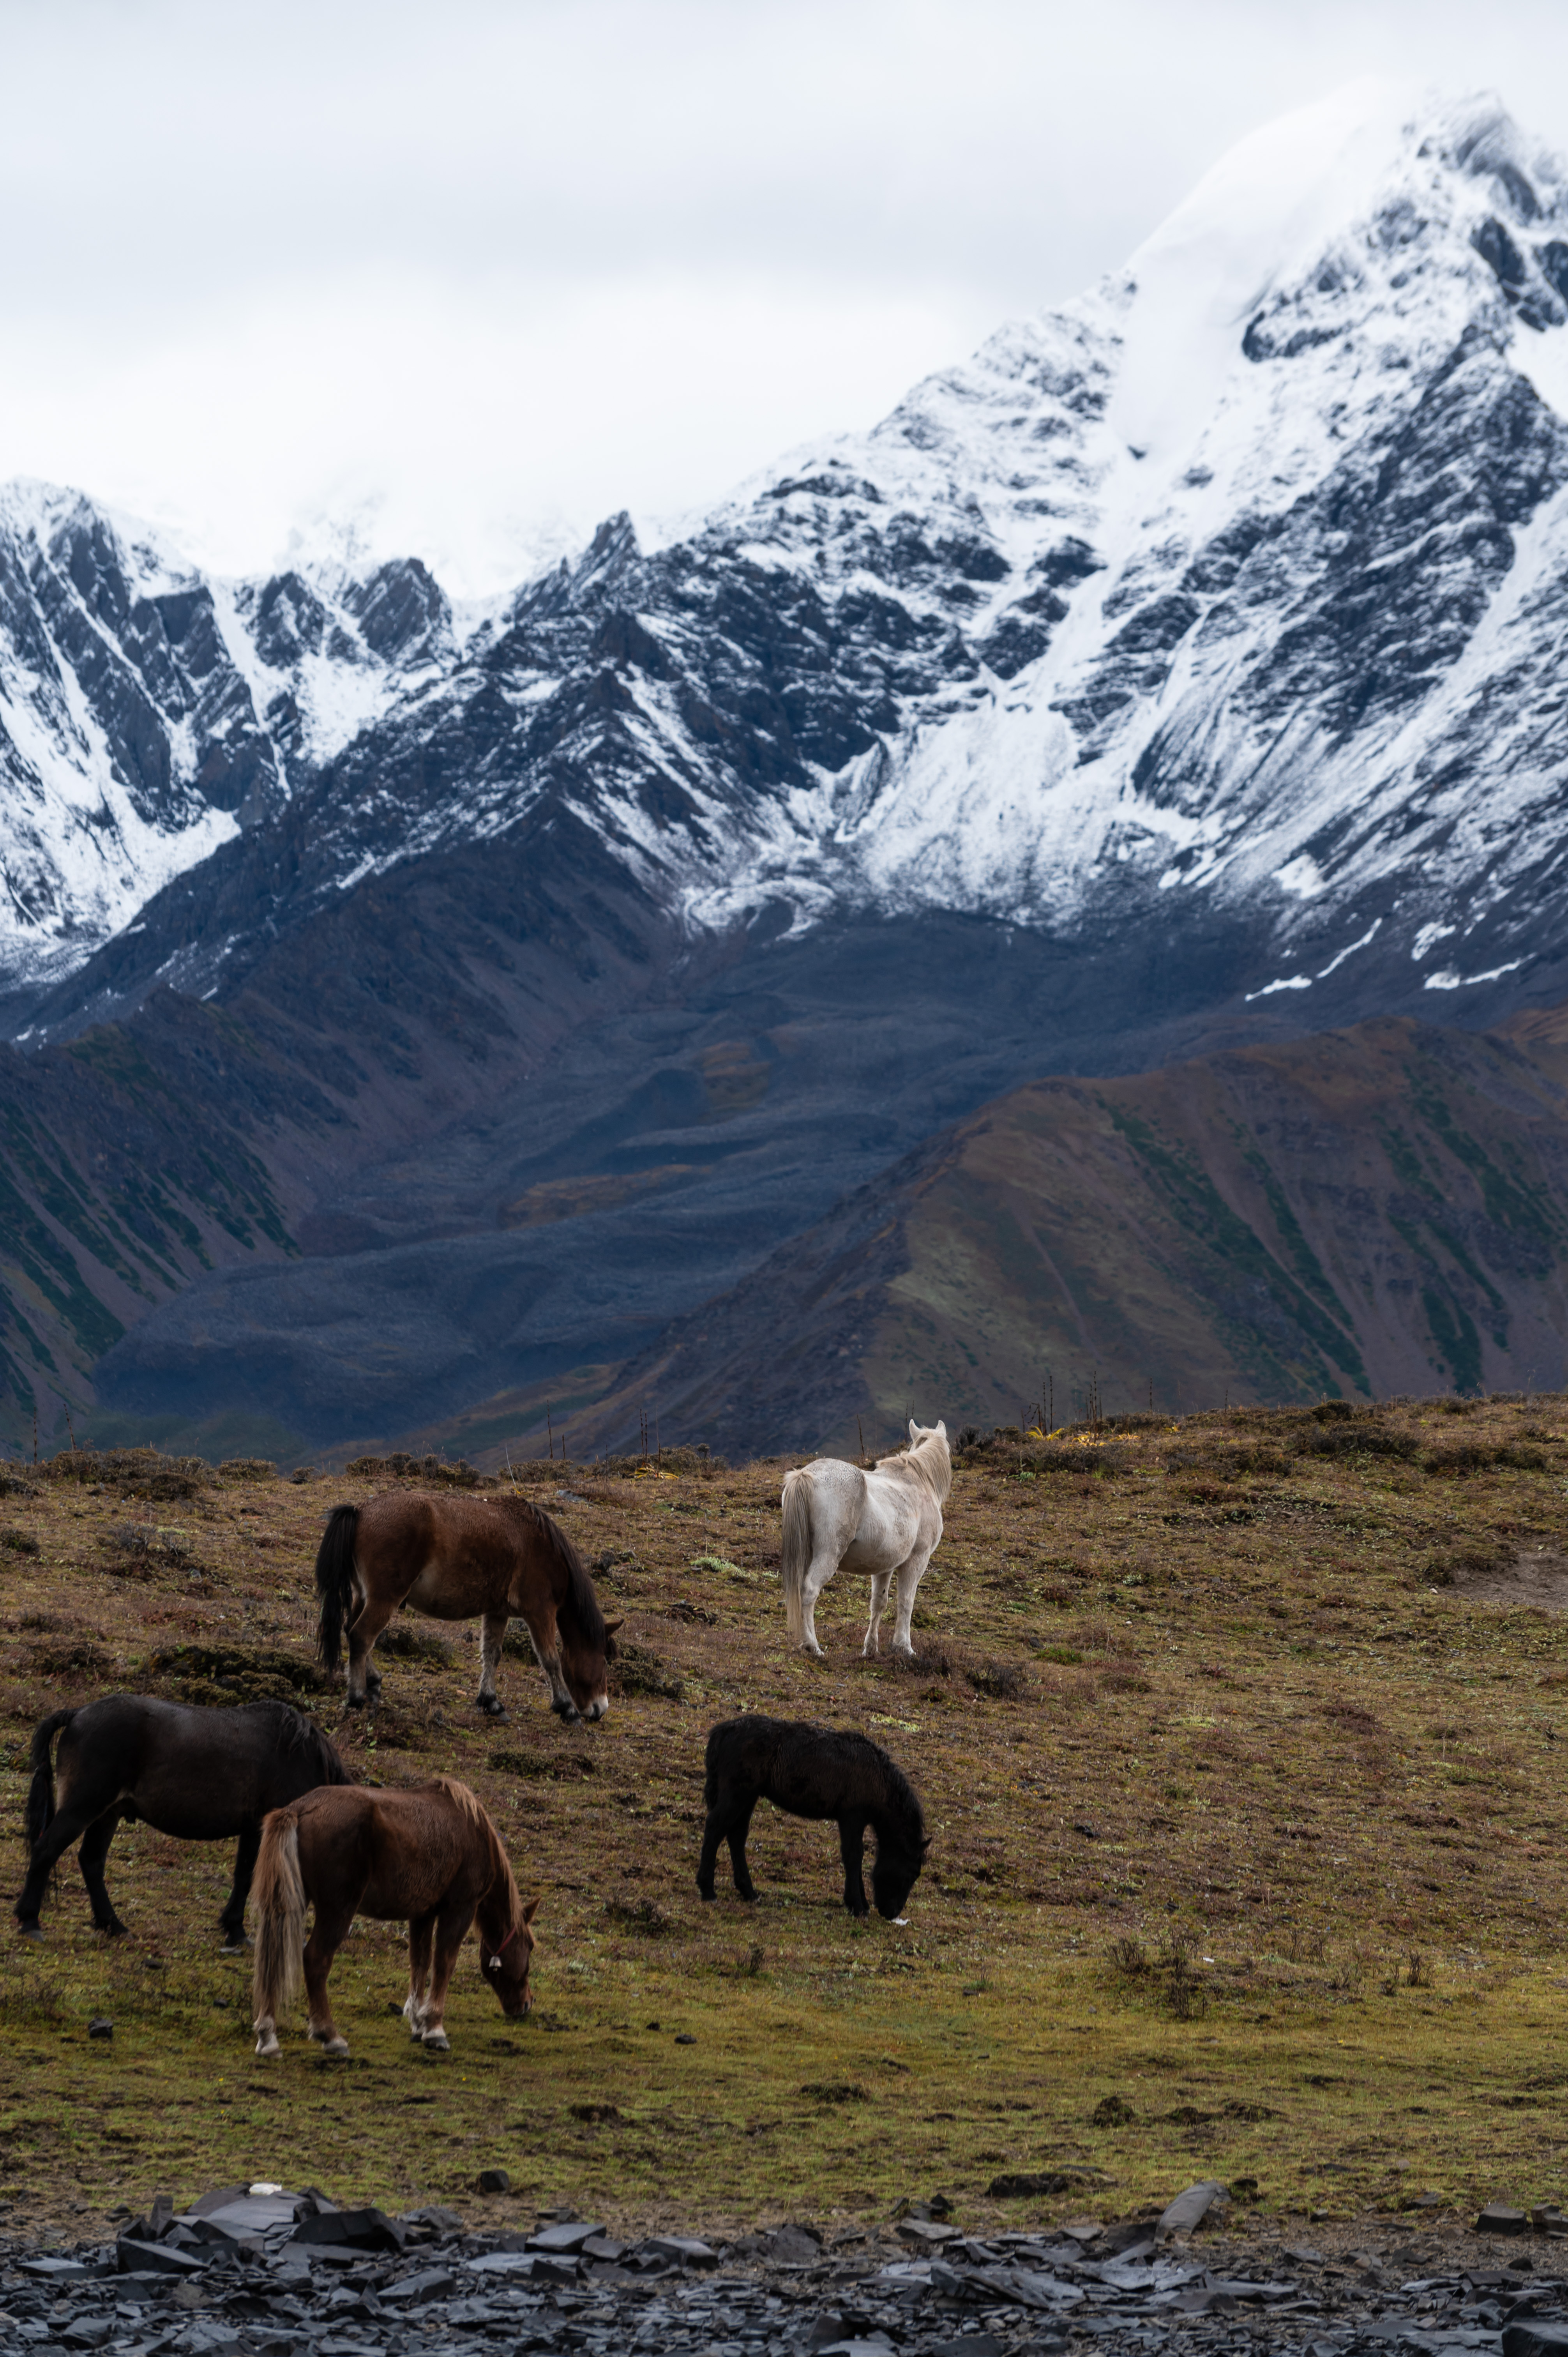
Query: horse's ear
<point x="925" y="1845"/>
<point x="531" y="1911"/>
<point x="913" y="1429"/>
<point x="611" y="1626"/>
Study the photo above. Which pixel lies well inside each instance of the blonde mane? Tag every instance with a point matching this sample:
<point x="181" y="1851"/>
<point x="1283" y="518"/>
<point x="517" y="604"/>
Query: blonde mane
<point x="929" y="1456"/>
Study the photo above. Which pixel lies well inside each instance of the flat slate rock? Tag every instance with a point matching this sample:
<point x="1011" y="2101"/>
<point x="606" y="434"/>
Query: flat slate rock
<point x="155" y="2259"/>
<point x="1189" y="2209"/>
<point x="567" y="2237"/>
<point x="364" y="2229"/>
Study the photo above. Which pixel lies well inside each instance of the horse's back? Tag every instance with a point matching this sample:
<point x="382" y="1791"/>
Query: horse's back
<point x="192" y="1770"/>
<point x="449" y="1555"/>
<point x="898" y="1513"/>
<point x="835" y="1494"/>
<point x="806" y="1769"/>
<point x="397" y="1853"/>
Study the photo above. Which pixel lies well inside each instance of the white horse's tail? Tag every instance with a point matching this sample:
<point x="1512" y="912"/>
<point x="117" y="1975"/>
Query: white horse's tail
<point x="796" y="1556"/>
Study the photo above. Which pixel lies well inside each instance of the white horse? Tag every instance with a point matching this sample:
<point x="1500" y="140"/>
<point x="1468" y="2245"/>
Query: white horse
<point x="887" y="1522"/>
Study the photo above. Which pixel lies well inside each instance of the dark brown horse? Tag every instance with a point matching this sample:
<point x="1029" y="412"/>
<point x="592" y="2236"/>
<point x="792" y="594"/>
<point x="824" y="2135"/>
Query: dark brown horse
<point x="456" y="1558"/>
<point x="199" y="1774"/>
<point x="429" y="1853"/>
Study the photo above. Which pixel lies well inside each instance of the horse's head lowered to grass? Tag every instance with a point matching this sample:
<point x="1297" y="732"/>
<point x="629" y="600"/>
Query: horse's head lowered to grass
<point x="902" y="1843"/>
<point x="587" y="1639"/>
<point x="506" y="1966"/>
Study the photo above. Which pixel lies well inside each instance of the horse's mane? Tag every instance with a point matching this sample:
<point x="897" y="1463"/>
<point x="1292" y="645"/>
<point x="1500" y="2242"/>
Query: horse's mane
<point x="474" y="1809"/>
<point x="581" y="1604"/>
<point x="296" y="1733"/>
<point x="905" y="1818"/>
<point x="918" y="1453"/>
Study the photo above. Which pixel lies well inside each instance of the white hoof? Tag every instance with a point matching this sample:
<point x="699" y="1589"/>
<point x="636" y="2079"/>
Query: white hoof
<point x="437" y="2039"/>
<point x="267" y="2044"/>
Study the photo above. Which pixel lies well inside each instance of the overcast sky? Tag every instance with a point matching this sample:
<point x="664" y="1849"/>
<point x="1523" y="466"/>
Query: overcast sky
<point x="476" y="274"/>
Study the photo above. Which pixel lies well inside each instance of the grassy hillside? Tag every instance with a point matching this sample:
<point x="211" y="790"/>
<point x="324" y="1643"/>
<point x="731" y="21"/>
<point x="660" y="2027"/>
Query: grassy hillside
<point x="1239" y="1736"/>
<point x="1355" y="1214"/>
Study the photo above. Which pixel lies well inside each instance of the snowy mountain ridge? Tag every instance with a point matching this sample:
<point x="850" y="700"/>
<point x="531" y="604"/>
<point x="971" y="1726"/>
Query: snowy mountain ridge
<point x="1234" y="587"/>
<point x="147" y="713"/>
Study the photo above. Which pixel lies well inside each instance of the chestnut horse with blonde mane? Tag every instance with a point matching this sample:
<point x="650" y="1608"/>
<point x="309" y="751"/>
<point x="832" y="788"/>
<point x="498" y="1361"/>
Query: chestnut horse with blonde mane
<point x="429" y="1853"/>
<point x="459" y="1558"/>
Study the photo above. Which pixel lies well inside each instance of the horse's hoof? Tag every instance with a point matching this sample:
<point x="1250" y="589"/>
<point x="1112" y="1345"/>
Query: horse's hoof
<point x="113" y="1930"/>
<point x="234" y="1947"/>
<point x="337" y="2048"/>
<point x="437" y="2040"/>
<point x="31" y="1931"/>
<point x="268" y="2045"/>
<point x="491" y="1706"/>
<point x="353" y="1702"/>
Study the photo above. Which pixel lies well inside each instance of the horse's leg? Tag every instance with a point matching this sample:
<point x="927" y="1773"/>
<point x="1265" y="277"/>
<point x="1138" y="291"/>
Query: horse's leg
<point x="879" y="1580"/>
<point x="420" y="1931"/>
<point x="328" y="1935"/>
<point x="232" y="1922"/>
<point x="739" y="1826"/>
<point x="910" y="1574"/>
<point x="822" y="1569"/>
<point x="363" y="1630"/>
<point x="66" y="1827"/>
<point x="729" y="1820"/>
<point x="713" y="1834"/>
<point x="92" y="1857"/>
<point x="492" y="1637"/>
<point x="451" y="1930"/>
<point x="852" y="1849"/>
<point x="546" y="1644"/>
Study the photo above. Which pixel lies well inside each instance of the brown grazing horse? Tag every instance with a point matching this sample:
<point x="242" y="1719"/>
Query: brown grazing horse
<point x="429" y="1853"/>
<point x="456" y="1558"/>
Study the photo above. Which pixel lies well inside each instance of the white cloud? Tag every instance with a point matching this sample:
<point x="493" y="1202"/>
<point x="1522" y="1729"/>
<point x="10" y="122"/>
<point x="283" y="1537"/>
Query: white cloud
<point x="485" y="272"/>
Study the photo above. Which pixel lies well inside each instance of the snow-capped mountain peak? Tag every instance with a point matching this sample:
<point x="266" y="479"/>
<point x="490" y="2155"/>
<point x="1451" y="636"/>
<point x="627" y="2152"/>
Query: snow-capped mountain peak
<point x="1230" y="592"/>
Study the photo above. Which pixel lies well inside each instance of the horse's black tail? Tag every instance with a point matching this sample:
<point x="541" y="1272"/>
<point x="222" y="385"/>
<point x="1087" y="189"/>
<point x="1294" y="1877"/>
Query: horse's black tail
<point x="335" y="1581"/>
<point x="40" y="1805"/>
<point x="711" y="1780"/>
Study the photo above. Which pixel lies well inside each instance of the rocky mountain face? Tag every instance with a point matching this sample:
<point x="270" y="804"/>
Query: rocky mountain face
<point x="147" y="715"/>
<point x="1363" y="1214"/>
<point x="1180" y="671"/>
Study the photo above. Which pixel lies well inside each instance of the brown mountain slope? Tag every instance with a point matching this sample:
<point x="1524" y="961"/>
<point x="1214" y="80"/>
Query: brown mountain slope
<point x="1367" y="1212"/>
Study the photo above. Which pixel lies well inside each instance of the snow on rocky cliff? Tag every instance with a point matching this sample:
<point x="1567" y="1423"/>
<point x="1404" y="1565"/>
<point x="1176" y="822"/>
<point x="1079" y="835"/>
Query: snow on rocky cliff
<point x="1238" y="582"/>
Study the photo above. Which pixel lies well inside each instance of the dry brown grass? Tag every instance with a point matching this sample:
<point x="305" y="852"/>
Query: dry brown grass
<point x="1248" y="1853"/>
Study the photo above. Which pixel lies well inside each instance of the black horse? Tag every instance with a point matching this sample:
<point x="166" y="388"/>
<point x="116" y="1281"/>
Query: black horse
<point x="813" y="1771"/>
<point x="198" y="1775"/>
